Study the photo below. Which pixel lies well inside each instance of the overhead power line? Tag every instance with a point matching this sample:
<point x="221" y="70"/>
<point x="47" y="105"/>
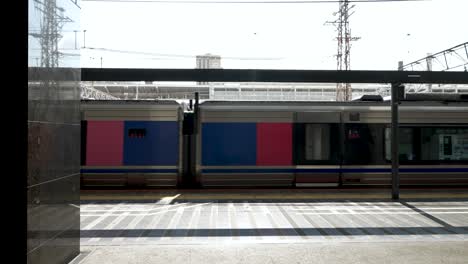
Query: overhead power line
<point x="460" y="52"/>
<point x="177" y="55"/>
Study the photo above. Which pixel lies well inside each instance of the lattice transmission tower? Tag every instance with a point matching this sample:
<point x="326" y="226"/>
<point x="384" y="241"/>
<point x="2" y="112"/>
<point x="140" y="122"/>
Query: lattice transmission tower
<point x="51" y="23"/>
<point x="344" y="38"/>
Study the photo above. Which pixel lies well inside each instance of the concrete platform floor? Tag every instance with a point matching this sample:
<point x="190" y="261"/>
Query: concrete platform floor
<point x="272" y="227"/>
<point x="310" y="253"/>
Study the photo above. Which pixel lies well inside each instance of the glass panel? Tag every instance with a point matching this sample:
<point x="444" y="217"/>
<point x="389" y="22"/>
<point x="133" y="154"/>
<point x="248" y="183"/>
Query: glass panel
<point x="388" y="143"/>
<point x="364" y="144"/>
<point x="444" y="143"/>
<point x="317" y="142"/>
<point x="137" y="132"/>
<point x="406" y="148"/>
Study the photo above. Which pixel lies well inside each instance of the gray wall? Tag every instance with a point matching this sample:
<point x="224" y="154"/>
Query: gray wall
<point x="53" y="182"/>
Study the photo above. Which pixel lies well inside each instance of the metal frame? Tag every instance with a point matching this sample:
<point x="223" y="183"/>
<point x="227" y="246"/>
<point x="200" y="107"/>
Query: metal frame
<point x="396" y="88"/>
<point x="88" y="92"/>
<point x="459" y="51"/>
<point x="241" y="75"/>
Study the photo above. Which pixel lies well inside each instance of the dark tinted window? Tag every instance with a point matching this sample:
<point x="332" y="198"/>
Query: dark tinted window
<point x="407" y="149"/>
<point x="364" y="144"/>
<point x="137" y="132"/>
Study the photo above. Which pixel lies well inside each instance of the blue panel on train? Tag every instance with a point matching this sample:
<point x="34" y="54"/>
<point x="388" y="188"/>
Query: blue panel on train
<point x="151" y="143"/>
<point x="229" y="144"/>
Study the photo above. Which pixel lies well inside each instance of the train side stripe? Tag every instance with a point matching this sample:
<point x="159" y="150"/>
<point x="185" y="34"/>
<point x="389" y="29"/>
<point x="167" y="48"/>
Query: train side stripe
<point x="248" y="170"/>
<point x="371" y="170"/>
<point x="128" y="170"/>
<point x="406" y="170"/>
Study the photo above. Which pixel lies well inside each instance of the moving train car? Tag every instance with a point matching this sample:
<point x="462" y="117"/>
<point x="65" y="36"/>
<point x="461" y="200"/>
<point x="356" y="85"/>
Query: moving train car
<point x="283" y="144"/>
<point x="329" y="143"/>
<point x="131" y="143"/>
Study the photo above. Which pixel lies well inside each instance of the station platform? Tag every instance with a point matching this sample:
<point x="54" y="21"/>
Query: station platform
<point x="274" y="226"/>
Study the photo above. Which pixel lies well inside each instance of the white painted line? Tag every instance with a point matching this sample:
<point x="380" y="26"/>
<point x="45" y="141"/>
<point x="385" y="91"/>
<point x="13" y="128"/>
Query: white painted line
<point x="383" y="208"/>
<point x="379" y="213"/>
<point x="101" y="217"/>
<point x="160" y="207"/>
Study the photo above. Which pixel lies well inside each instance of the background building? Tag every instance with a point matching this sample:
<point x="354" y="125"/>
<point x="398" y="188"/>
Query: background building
<point x="208" y="61"/>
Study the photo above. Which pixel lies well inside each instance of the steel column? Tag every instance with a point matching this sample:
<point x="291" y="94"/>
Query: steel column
<point x="395" y="142"/>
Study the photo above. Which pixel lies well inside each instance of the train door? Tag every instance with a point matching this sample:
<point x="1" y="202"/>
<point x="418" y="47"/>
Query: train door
<point x="317" y="148"/>
<point x="364" y="159"/>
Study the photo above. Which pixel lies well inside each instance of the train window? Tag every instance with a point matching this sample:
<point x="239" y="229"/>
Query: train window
<point x="364" y="144"/>
<point x="137" y="132"/>
<point x="406" y="149"/>
<point x="428" y="144"/>
<point x="317" y="143"/>
<point x="444" y="143"/>
<point x="354" y="117"/>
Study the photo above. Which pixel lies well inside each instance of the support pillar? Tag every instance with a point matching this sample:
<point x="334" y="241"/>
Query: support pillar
<point x="395" y="143"/>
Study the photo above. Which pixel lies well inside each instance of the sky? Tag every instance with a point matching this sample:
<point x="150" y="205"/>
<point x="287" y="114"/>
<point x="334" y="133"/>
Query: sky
<point x="263" y="36"/>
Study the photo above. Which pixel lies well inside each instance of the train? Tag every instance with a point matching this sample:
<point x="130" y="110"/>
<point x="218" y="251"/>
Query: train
<point x="155" y="143"/>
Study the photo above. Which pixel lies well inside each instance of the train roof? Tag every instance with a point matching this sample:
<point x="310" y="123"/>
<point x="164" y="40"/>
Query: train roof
<point x="436" y="97"/>
<point x="332" y="103"/>
<point x="295" y="103"/>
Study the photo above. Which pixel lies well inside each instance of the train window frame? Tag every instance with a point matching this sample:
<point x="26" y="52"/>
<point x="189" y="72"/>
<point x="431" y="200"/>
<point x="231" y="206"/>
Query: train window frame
<point x="418" y="148"/>
<point x="299" y="141"/>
